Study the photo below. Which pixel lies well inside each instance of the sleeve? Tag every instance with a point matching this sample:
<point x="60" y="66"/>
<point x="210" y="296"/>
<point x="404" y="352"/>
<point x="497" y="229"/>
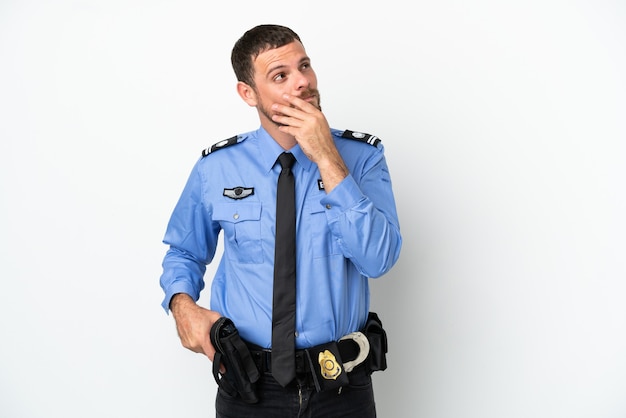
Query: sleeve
<point x="192" y="238"/>
<point x="362" y="216"/>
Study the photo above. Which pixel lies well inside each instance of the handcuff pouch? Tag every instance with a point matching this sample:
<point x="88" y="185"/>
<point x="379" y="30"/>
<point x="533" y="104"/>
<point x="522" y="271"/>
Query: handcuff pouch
<point x="377" y="337"/>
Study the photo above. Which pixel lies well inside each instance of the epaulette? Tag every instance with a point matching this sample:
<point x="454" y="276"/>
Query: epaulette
<point x="219" y="145"/>
<point x="359" y="136"/>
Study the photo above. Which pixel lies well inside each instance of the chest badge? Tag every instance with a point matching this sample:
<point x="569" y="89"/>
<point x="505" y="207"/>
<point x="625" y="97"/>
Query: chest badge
<point x="239" y="192"/>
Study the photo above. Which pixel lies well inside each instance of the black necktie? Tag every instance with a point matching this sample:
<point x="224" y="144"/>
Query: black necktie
<point x="284" y="305"/>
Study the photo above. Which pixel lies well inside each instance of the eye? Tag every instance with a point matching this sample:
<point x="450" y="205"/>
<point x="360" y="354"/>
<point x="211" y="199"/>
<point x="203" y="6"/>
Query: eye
<point x="305" y="65"/>
<point x="279" y="77"/>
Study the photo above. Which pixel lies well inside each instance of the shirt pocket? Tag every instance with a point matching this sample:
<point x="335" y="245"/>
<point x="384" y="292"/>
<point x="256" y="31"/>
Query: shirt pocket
<point x="241" y="223"/>
<point x="323" y="242"/>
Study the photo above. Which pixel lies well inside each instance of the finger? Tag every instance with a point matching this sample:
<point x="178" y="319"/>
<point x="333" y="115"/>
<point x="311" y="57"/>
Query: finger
<point x="298" y="103"/>
<point x="209" y="351"/>
<point x="283" y="110"/>
<point x="287" y="121"/>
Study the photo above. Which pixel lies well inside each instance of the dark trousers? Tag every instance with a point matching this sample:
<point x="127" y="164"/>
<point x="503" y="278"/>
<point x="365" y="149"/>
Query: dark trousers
<point x="300" y="399"/>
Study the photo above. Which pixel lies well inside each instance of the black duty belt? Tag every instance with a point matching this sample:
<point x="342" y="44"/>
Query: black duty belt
<point x="348" y="350"/>
<point x="328" y="365"/>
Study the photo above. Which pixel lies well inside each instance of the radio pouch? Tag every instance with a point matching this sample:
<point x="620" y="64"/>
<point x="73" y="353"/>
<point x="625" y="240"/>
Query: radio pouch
<point x="241" y="373"/>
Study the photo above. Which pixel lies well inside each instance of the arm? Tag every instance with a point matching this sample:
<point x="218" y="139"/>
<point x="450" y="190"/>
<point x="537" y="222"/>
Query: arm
<point x="362" y="217"/>
<point x="361" y="212"/>
<point x="192" y="237"/>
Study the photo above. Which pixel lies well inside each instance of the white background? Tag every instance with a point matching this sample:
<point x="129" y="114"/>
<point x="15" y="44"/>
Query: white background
<point x="504" y="126"/>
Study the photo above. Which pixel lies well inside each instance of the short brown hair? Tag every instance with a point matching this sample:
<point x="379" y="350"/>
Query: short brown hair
<point x="256" y="40"/>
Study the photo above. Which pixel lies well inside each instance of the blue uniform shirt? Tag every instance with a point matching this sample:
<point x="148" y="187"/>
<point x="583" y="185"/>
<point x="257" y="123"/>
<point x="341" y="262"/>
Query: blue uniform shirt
<point x="343" y="237"/>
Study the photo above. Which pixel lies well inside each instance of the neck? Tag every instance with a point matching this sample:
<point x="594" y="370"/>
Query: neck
<point x="283" y="139"/>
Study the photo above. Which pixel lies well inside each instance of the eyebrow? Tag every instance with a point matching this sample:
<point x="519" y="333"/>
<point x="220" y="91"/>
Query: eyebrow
<point x="280" y="66"/>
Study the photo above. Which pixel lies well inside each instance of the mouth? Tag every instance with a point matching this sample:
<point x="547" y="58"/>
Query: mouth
<point x="309" y="95"/>
<point x="310" y="98"/>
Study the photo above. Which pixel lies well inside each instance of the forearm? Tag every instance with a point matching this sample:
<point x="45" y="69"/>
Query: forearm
<point x="182" y="273"/>
<point x="366" y="229"/>
<point x="368" y="238"/>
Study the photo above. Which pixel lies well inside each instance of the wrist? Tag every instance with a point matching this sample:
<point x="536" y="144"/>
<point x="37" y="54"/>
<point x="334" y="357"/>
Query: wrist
<point x="333" y="172"/>
<point x="179" y="301"/>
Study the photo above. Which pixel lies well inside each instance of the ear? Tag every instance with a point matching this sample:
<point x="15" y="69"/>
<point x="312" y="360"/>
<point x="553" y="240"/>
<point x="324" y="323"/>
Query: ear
<point x="247" y="93"/>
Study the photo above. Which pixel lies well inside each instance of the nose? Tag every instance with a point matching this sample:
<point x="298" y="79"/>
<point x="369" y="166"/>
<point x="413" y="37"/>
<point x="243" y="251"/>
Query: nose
<point x="301" y="81"/>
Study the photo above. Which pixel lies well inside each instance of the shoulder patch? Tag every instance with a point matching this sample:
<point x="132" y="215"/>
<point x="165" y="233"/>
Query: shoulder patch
<point x="219" y="145"/>
<point x="359" y="136"/>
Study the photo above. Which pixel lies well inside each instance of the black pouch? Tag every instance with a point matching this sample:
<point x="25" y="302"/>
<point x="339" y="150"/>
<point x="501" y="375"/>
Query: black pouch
<point x="377" y="337"/>
<point x="241" y="372"/>
<point x="326" y="367"/>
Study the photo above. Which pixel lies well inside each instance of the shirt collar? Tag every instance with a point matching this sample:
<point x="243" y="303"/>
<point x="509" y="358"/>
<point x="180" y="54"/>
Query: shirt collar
<point x="270" y="150"/>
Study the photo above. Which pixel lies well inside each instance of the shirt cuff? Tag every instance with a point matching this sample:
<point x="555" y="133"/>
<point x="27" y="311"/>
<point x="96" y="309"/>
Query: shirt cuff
<point x="175" y="288"/>
<point x="343" y="197"/>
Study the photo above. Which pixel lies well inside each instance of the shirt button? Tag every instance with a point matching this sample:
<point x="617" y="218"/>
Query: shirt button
<point x="236" y="216"/>
<point x="328" y="206"/>
<point x="295" y="333"/>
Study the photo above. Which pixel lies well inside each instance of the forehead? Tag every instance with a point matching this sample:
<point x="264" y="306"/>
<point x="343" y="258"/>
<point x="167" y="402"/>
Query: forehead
<point x="286" y="55"/>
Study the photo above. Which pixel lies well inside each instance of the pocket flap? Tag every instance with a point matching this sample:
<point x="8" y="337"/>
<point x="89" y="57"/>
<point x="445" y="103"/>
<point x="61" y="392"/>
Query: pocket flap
<point x="237" y="212"/>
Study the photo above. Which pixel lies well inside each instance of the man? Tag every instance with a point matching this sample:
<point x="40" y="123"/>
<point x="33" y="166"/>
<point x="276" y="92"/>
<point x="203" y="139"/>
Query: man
<point x="347" y="232"/>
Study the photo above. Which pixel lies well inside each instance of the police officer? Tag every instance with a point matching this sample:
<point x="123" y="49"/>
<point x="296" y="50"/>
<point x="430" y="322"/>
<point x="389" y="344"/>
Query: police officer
<point x="347" y="232"/>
